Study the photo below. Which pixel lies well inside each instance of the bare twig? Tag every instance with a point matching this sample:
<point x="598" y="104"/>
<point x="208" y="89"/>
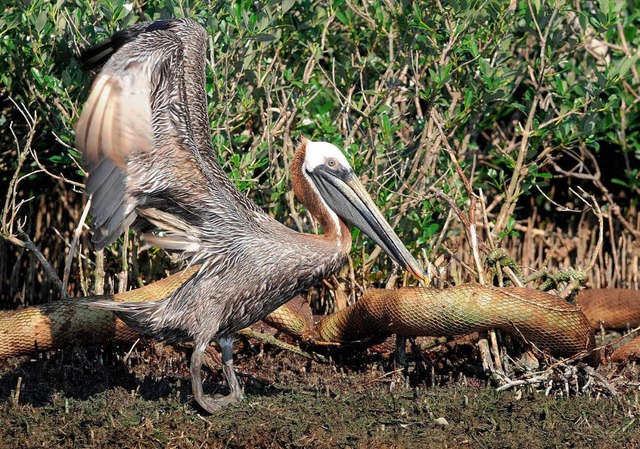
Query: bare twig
<point x="10" y="209"/>
<point x="74" y="242"/>
<point x="27" y="244"/>
<point x="270" y="339"/>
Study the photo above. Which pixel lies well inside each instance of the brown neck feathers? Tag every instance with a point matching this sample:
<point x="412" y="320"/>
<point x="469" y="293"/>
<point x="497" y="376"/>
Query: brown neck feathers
<point x="334" y="228"/>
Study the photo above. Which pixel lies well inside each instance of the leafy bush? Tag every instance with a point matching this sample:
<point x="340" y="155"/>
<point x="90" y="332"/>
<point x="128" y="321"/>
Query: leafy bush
<point x="529" y="98"/>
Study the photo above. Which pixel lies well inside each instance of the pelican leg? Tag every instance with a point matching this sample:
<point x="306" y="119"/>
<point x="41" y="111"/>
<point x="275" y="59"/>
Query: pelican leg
<point x="208" y="404"/>
<point x="226" y="344"/>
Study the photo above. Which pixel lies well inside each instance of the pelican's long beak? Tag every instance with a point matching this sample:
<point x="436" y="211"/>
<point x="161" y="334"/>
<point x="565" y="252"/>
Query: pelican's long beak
<point x="346" y="196"/>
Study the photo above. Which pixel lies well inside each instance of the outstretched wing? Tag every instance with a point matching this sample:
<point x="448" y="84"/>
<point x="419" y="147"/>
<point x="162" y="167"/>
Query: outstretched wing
<point x="145" y="136"/>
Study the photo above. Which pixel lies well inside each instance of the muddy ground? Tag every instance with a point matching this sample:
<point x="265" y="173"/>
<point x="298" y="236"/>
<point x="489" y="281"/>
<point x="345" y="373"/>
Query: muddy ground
<point x="114" y="397"/>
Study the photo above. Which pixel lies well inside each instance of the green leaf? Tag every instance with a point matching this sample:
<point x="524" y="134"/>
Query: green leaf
<point x="386" y="124"/>
<point x="264" y="37"/>
<point x="625" y="64"/>
<point x="37" y="75"/>
<point x="287" y="5"/>
<point x="468" y="98"/>
<point x="41" y="21"/>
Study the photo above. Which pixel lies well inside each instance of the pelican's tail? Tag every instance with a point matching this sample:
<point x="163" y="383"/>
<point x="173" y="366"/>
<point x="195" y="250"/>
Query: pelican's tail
<point x="144" y="317"/>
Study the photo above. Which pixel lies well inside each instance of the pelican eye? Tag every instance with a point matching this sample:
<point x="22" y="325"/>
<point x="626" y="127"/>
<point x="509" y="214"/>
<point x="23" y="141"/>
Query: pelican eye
<point x="332" y="162"/>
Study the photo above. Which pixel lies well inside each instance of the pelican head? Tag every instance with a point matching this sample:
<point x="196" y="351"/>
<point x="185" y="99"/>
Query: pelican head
<point x="343" y="195"/>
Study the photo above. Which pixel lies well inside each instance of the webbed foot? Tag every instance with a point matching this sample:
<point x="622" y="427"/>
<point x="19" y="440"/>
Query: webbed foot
<point x="211" y="405"/>
<point x="207" y="403"/>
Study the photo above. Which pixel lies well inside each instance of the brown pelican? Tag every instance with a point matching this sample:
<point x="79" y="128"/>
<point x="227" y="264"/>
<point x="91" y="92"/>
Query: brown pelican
<point x="144" y="133"/>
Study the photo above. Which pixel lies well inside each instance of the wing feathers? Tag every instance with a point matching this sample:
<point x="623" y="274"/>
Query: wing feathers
<point x="107" y="199"/>
<point x="122" y="218"/>
<point x="114" y="126"/>
<point x="116" y="121"/>
<point x="97" y="105"/>
<point x="98" y="54"/>
<point x="146" y="142"/>
<point x="180" y="236"/>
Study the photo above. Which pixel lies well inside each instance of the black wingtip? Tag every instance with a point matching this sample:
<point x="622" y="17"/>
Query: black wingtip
<point x="95" y="56"/>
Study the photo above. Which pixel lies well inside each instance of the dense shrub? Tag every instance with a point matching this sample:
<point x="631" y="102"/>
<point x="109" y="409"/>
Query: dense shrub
<point x="529" y="98"/>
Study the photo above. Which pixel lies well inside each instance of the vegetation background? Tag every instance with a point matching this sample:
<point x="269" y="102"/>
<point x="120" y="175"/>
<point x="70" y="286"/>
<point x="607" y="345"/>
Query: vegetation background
<point x="534" y="103"/>
<point x="514" y="121"/>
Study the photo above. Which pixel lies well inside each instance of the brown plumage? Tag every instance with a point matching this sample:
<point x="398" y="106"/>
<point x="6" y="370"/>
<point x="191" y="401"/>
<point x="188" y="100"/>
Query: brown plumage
<point x="144" y="133"/>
